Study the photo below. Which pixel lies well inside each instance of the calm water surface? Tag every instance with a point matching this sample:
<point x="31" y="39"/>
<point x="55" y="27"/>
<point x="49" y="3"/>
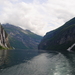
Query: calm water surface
<point x="34" y="62"/>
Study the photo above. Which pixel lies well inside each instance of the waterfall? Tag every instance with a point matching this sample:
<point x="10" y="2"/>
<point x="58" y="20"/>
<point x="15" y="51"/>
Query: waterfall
<point x="69" y="49"/>
<point x="3" y="37"/>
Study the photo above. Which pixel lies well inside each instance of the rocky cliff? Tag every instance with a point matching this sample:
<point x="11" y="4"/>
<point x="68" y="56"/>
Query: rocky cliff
<point x="3" y="38"/>
<point x="61" y="38"/>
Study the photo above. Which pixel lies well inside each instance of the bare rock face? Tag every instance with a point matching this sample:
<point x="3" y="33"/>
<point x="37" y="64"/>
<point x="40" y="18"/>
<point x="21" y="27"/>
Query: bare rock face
<point x="3" y="38"/>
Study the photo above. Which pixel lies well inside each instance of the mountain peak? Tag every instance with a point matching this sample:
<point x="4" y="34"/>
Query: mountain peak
<point x="70" y="22"/>
<point x="27" y="30"/>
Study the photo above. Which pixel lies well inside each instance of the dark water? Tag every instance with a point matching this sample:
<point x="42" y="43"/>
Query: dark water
<point x="34" y="62"/>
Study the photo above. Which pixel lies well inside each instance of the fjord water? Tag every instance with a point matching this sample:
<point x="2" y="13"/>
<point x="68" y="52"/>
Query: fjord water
<point x="34" y="62"/>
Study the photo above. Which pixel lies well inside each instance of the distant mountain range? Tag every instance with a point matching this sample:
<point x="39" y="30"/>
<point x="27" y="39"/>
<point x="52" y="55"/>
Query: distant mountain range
<point x="20" y="38"/>
<point x="59" y="39"/>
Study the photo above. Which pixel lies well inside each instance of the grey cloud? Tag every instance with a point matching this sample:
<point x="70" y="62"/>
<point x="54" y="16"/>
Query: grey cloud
<point x="39" y="18"/>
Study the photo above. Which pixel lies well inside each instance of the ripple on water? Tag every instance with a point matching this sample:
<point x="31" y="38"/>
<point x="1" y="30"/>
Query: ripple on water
<point x="42" y="64"/>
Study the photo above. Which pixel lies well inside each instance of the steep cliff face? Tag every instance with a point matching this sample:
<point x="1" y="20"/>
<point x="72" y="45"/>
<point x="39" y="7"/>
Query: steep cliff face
<point x="3" y="38"/>
<point x="60" y="39"/>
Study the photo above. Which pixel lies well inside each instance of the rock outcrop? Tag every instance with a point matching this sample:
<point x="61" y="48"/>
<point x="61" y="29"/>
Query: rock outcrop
<point x="3" y="38"/>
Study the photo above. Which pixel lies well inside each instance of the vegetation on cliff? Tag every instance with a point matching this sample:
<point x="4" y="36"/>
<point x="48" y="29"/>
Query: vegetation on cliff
<point x="59" y="39"/>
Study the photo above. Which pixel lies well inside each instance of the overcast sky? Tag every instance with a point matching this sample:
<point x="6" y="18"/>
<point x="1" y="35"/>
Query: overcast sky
<point x="39" y="16"/>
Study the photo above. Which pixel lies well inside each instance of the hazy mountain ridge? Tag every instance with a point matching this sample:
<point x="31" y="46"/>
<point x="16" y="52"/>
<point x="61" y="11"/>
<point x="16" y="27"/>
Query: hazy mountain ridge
<point x="61" y="38"/>
<point x="20" y="38"/>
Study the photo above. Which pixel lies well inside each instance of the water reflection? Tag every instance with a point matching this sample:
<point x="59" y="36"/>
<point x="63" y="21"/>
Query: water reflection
<point x="38" y="63"/>
<point x="3" y="54"/>
<point x="10" y="58"/>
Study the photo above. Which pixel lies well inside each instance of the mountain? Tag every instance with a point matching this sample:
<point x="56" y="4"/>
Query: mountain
<point x="4" y="42"/>
<point x="20" y="38"/>
<point x="59" y="39"/>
